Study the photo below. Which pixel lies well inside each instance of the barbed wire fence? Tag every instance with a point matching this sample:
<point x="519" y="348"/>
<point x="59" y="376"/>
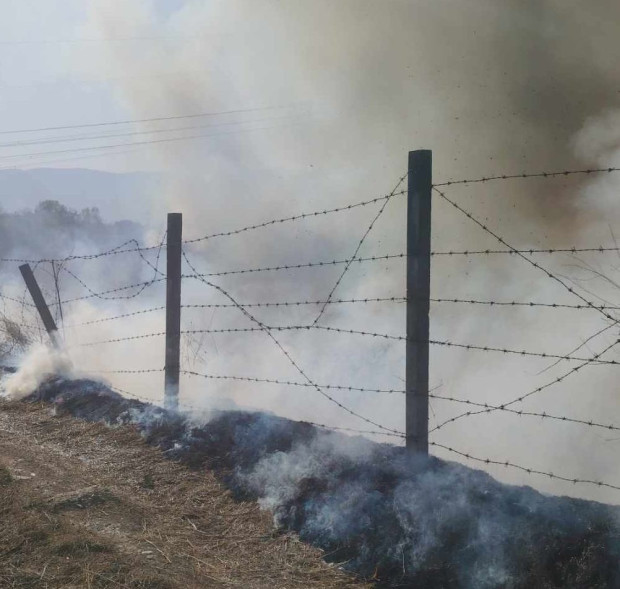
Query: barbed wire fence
<point x="150" y="257"/>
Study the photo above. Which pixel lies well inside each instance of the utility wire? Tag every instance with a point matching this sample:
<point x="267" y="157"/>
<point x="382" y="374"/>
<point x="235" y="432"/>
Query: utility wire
<point x="68" y="139"/>
<point x="128" y="144"/>
<point x="135" y="121"/>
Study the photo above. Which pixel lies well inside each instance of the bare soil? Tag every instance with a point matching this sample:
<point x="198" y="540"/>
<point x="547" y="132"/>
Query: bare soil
<point x="86" y="506"/>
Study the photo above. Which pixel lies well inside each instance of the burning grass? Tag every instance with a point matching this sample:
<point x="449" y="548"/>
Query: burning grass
<point x="390" y="518"/>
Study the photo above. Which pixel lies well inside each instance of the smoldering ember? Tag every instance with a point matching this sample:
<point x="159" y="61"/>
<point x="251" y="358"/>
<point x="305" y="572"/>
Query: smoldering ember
<point x="309" y="294"/>
<point x="381" y="513"/>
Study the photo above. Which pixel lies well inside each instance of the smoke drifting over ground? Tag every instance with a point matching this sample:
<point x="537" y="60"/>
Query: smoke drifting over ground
<point x="38" y="365"/>
<point x="383" y="514"/>
<point x="53" y="231"/>
<point x="490" y="87"/>
<point x="352" y="86"/>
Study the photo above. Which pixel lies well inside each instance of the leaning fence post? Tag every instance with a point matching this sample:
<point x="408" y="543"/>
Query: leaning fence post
<point x="40" y="304"/>
<point x="418" y="298"/>
<point x="173" y="310"/>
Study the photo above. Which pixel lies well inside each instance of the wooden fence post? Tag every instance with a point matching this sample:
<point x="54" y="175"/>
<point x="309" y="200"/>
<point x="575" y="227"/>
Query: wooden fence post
<point x="173" y="310"/>
<point x="418" y="298"/>
<point x="40" y="304"/>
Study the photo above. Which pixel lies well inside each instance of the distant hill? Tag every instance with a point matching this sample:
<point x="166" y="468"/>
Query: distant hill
<point x="115" y="195"/>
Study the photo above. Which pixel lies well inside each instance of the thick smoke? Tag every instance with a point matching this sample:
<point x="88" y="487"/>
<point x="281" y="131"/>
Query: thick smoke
<point x="387" y="516"/>
<point x="53" y="231"/>
<point x="38" y="365"/>
<point x="490" y="87"/>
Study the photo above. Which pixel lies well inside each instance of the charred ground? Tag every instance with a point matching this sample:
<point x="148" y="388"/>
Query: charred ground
<point x="386" y="517"/>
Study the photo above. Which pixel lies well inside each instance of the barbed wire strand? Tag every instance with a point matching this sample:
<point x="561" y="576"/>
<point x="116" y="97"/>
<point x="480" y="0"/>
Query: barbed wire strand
<point x="144" y="286"/>
<point x="508" y="464"/>
<point x="288" y="356"/>
<point x="297" y="303"/>
<point x="115" y="250"/>
<point x="539" y="267"/>
<point x="521" y="255"/>
<point x="122" y="249"/>
<point x="295" y="218"/>
<point x="116" y="317"/>
<point x="122" y="339"/>
<point x="486" y="406"/>
<point x="535" y="391"/>
<point x="14" y="300"/>
<point x="350" y="261"/>
<point x="324" y="263"/>
<point x="583" y="344"/>
<point x="287" y="382"/>
<point x="155" y="266"/>
<point x="148" y="283"/>
<point x="565" y="250"/>
<point x="522" y="304"/>
<point x="529" y="175"/>
<point x="401" y="300"/>
<point x="141" y="250"/>
<point x="305" y="422"/>
<point x="119" y="249"/>
<point x="380" y="336"/>
<point x="359" y="246"/>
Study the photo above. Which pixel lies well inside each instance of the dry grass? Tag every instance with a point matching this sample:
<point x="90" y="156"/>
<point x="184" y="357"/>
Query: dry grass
<point x="82" y="505"/>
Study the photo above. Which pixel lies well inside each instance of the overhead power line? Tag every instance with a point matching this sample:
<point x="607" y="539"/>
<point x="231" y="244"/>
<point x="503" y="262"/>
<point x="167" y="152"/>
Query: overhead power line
<point x="134" y="143"/>
<point x="68" y="139"/>
<point x="150" y="120"/>
<point x="101" y="40"/>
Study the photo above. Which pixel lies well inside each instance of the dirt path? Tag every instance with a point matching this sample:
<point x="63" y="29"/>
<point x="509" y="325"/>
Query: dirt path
<point x="82" y="505"/>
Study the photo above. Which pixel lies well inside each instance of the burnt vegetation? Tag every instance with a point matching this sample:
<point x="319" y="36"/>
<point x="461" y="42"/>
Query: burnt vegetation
<point x="387" y="517"/>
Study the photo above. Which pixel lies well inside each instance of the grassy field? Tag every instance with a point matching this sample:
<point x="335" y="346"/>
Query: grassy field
<point x="83" y="505"/>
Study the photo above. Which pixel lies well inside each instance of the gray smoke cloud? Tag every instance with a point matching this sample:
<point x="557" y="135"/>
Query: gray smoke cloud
<point x="490" y="87"/>
<point x="399" y="520"/>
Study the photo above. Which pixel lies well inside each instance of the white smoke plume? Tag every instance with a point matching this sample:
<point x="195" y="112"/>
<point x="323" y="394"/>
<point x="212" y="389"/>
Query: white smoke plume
<point x="38" y="364"/>
<point x="398" y="520"/>
<point x="490" y="87"/>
